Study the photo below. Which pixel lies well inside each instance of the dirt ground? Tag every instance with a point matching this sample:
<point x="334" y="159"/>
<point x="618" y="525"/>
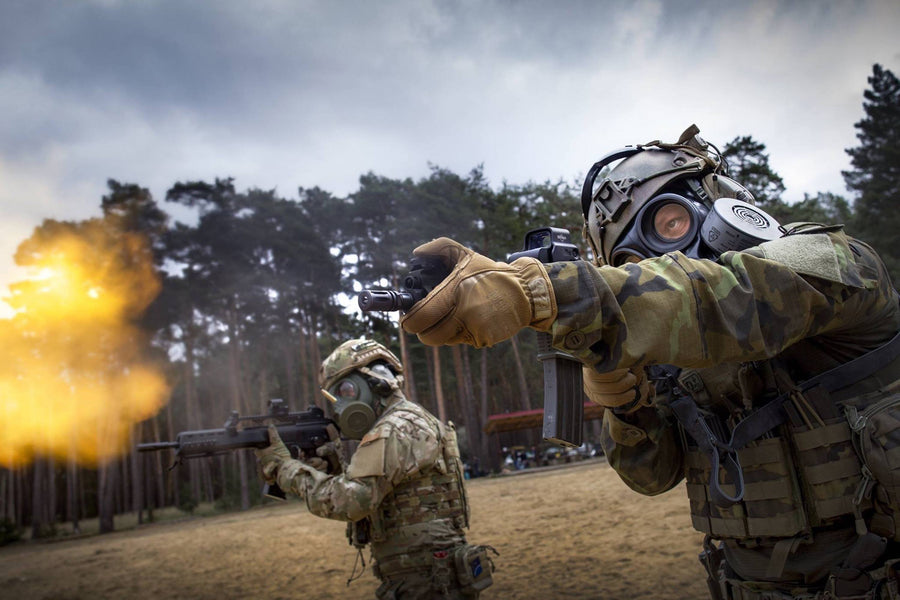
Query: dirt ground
<point x="575" y="532"/>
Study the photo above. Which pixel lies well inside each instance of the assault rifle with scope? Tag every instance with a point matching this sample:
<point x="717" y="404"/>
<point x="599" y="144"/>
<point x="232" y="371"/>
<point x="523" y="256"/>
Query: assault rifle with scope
<point x="563" y="393"/>
<point x="302" y="432"/>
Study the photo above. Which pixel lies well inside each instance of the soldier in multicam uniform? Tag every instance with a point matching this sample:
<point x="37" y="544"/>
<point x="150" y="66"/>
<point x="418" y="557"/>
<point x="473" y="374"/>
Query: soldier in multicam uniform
<point x="760" y="364"/>
<point x="402" y="491"/>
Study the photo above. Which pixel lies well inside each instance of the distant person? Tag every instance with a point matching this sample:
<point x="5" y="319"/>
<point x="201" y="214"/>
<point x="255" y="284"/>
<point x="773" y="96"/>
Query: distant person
<point x="402" y="492"/>
<point x="759" y="364"/>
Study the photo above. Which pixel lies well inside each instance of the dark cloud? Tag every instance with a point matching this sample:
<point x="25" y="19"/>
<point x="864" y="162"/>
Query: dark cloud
<point x="288" y="93"/>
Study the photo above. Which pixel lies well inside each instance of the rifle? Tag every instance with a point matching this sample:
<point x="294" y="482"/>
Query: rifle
<point x="301" y="432"/>
<point x="563" y="393"/>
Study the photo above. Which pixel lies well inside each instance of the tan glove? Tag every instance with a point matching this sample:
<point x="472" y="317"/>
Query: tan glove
<point x="271" y="457"/>
<point x="327" y="458"/>
<point x="617" y="389"/>
<point x="482" y="302"/>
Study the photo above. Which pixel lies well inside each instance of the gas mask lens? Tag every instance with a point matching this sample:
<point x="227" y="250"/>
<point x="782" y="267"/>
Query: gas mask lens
<point x="667" y="223"/>
<point x="671" y="222"/>
<point x="347" y="390"/>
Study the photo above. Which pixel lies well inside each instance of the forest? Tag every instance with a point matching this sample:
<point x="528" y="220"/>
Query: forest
<point x="229" y="297"/>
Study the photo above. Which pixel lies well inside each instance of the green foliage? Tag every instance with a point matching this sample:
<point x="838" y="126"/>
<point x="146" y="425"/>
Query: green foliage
<point x="748" y="164"/>
<point x="823" y="208"/>
<point x="875" y="175"/>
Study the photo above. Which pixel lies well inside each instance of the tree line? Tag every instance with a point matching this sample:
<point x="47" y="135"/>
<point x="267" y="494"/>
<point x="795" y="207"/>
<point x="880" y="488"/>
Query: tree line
<point x="256" y="289"/>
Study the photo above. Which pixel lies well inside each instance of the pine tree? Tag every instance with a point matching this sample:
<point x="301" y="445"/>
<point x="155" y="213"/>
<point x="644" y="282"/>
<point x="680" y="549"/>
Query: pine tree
<point x="748" y="164"/>
<point x="876" y="167"/>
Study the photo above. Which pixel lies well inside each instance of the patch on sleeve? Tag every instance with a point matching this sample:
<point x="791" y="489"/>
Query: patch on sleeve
<point x="368" y="460"/>
<point x="808" y="254"/>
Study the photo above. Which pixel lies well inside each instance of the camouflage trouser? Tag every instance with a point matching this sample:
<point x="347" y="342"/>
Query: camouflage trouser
<point x="419" y="577"/>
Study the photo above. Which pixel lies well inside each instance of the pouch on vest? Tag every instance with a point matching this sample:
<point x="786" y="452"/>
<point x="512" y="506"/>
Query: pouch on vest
<point x="474" y="567"/>
<point x="877" y="432"/>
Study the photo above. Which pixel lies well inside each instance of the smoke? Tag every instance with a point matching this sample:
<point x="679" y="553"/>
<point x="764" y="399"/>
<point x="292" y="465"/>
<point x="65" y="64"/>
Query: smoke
<point x="73" y="375"/>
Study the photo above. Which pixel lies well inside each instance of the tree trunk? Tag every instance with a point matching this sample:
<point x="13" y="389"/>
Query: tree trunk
<point x="106" y="476"/>
<point x="438" y="385"/>
<point x="51" y="491"/>
<point x="315" y="354"/>
<point x="492" y="461"/>
<point x="4" y="490"/>
<point x="290" y="374"/>
<point x="193" y="417"/>
<point x="171" y="487"/>
<point x="524" y="395"/>
<point x="163" y="483"/>
<point x="39" y="523"/>
<point x="236" y="386"/>
<point x="72" y="492"/>
<point x="20" y="497"/>
<point x="409" y="382"/>
<point x="467" y="401"/>
<point x="137" y="480"/>
<point x="304" y="366"/>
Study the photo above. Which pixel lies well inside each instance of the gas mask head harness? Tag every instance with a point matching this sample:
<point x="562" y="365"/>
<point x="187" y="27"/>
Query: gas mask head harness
<point x="660" y="198"/>
<point x="358" y="378"/>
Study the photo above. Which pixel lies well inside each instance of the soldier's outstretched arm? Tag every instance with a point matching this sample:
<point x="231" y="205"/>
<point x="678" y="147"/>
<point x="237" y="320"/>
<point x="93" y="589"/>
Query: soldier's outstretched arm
<point x="698" y="313"/>
<point x="482" y="302"/>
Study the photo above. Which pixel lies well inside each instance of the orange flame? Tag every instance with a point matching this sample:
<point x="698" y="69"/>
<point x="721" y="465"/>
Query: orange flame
<point x="73" y="380"/>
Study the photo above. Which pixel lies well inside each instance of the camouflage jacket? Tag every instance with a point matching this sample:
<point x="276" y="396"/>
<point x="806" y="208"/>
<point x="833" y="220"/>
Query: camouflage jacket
<point x="813" y="299"/>
<point x="407" y="453"/>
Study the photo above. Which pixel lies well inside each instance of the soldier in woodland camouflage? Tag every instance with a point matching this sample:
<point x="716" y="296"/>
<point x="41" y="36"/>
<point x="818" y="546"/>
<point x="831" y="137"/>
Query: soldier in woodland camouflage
<point x="759" y="364"/>
<point x="402" y="492"/>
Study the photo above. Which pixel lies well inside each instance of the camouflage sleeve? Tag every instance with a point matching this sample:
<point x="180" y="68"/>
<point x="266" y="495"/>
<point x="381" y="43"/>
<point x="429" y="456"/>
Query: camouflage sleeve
<point x="643" y="449"/>
<point x="699" y="313"/>
<point x="387" y="455"/>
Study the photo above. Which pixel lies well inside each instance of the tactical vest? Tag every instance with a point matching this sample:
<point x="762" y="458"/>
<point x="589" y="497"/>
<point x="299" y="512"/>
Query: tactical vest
<point x="436" y="492"/>
<point x="775" y="458"/>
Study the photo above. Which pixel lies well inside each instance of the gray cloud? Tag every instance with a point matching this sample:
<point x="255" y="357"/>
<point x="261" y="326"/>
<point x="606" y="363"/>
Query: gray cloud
<point x="287" y="93"/>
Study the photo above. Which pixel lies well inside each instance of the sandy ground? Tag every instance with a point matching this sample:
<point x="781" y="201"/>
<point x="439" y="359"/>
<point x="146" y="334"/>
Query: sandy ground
<point x="576" y="532"/>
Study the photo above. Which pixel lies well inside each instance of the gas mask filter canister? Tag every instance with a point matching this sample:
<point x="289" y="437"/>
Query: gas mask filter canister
<point x="736" y="225"/>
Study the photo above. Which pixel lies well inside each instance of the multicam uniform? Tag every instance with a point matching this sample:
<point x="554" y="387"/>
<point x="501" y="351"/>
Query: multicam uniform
<point x="403" y="491"/>
<point x="820" y="488"/>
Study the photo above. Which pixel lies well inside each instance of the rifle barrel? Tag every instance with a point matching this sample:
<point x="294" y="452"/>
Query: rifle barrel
<point x="156" y="446"/>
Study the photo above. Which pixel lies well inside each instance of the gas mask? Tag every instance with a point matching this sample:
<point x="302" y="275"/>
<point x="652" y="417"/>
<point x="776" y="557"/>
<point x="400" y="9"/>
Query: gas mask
<point x="671" y="222"/>
<point x="660" y="198"/>
<point x="358" y="399"/>
<point x="358" y="377"/>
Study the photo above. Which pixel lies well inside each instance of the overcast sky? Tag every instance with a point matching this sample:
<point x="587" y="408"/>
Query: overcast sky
<point x="289" y="93"/>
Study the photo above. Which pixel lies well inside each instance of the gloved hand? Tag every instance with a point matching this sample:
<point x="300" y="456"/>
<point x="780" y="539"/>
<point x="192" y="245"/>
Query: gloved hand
<point x="622" y="389"/>
<point x="271" y="457"/>
<point x="481" y="302"/>
<point x="328" y="455"/>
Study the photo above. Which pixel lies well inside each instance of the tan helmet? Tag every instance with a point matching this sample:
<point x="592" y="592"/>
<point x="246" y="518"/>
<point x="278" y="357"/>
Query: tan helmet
<point x="611" y="204"/>
<point x="354" y="355"/>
